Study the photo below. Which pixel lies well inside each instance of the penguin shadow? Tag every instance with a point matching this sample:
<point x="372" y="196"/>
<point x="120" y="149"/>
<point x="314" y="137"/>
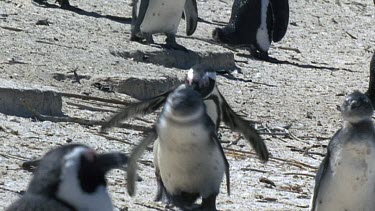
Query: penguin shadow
<point x="300" y="65"/>
<point x="79" y="11"/>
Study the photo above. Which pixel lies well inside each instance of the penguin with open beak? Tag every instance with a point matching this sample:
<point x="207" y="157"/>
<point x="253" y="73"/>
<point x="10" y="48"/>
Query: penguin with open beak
<point x="202" y="80"/>
<point x="70" y="178"/>
<point x="188" y="158"/>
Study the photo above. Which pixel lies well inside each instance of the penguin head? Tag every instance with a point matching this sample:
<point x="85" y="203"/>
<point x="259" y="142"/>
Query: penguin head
<point x="184" y="104"/>
<point x="202" y="79"/>
<point x="356" y="108"/>
<point x="75" y="175"/>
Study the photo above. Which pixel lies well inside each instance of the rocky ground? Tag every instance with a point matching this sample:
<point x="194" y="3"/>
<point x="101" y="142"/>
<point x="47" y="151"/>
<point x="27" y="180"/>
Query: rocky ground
<point x="328" y="48"/>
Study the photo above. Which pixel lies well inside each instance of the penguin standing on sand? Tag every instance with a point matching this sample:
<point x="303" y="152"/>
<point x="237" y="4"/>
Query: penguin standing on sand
<point x="254" y="24"/>
<point x="346" y="176"/>
<point x="70" y="178"/>
<point x="188" y="158"/>
<point x="202" y="80"/>
<point x="162" y="16"/>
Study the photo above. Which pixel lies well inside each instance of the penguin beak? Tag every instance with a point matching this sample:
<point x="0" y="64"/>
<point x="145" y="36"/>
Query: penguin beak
<point x="109" y="161"/>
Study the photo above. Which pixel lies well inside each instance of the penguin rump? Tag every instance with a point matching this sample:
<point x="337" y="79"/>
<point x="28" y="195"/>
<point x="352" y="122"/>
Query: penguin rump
<point x="162" y="16"/>
<point x="202" y="80"/>
<point x="188" y="158"/>
<point x="70" y="178"/>
<point x="255" y="24"/>
<point x="346" y="177"/>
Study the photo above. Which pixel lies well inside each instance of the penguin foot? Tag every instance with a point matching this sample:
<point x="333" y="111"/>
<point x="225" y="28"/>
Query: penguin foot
<point x="64" y="3"/>
<point x="209" y="203"/>
<point x="30" y="165"/>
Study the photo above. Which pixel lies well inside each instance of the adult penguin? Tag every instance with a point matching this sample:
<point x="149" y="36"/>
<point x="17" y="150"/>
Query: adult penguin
<point x="162" y="16"/>
<point x="254" y="24"/>
<point x="70" y="178"/>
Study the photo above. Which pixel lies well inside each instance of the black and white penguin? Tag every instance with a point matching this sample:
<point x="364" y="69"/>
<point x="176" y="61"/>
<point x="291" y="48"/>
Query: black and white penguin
<point x="254" y="24"/>
<point x="346" y="177"/>
<point x="70" y="178"/>
<point x="188" y="158"/>
<point x="162" y="16"/>
<point x="202" y="80"/>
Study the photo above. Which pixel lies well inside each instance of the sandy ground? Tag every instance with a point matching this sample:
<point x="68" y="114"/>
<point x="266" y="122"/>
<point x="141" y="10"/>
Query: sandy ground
<point x="328" y="44"/>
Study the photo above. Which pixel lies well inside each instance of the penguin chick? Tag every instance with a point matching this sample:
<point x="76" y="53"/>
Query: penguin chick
<point x="162" y="16"/>
<point x="70" y="178"/>
<point x="188" y="158"/>
<point x="254" y="24"/>
<point x="346" y="177"/>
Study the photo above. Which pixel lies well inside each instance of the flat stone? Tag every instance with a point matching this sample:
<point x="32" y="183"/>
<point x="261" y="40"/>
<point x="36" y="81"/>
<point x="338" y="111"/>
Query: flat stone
<point x="181" y="59"/>
<point x="141" y="87"/>
<point x="19" y="99"/>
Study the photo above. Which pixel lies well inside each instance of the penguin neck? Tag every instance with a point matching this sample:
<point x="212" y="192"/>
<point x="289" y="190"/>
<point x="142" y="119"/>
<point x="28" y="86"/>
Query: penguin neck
<point x="364" y="125"/>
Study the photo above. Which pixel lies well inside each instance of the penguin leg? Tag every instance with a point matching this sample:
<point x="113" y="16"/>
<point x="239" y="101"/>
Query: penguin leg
<point x="161" y="194"/>
<point x="261" y="55"/>
<point x="209" y="203"/>
<point x="172" y="44"/>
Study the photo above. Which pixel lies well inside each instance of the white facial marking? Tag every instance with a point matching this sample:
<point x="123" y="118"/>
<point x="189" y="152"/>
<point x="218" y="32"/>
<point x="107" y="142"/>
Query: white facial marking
<point x="262" y="33"/>
<point x="190" y="76"/>
<point x="70" y="191"/>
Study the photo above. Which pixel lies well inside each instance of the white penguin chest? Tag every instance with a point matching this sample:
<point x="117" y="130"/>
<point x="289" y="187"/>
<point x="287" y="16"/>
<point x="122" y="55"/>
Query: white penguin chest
<point x="349" y="183"/>
<point x="189" y="160"/>
<point x="162" y="16"/>
<point x="212" y="110"/>
<point x="262" y="35"/>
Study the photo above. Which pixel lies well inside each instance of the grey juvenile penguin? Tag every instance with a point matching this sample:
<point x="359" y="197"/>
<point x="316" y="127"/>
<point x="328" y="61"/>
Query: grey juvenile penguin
<point x="346" y="177"/>
<point x="254" y="24"/>
<point x="70" y="178"/>
<point x="162" y="16"/>
<point x="202" y="80"/>
<point x="189" y="160"/>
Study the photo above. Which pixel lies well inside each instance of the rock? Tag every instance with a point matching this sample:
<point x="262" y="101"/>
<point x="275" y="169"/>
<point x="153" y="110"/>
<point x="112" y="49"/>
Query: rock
<point x="18" y="99"/>
<point x="141" y="87"/>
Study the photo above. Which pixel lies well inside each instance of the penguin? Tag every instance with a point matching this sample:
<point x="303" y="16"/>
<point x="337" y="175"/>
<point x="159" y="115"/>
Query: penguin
<point x="371" y="87"/>
<point x="70" y="178"/>
<point x="188" y="158"/>
<point x="203" y="80"/>
<point x="346" y="177"/>
<point x="162" y="16"/>
<point x="254" y="24"/>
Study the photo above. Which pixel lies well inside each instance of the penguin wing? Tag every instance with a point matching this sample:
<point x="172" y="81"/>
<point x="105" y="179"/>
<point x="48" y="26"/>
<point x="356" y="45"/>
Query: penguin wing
<point x="237" y="123"/>
<point x="322" y="170"/>
<point x="37" y="202"/>
<point x="280" y="9"/>
<point x="137" y="109"/>
<point x="371" y="86"/>
<point x="138" y="14"/>
<point x="135" y="155"/>
<point x="217" y="143"/>
<point x="191" y="16"/>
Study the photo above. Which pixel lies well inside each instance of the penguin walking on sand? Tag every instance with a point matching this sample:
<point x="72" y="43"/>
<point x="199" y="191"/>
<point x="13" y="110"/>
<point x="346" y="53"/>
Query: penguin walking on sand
<point x="346" y="177"/>
<point x="162" y="16"/>
<point x="70" y="178"/>
<point x="202" y="80"/>
<point x="188" y="158"/>
<point x="254" y="24"/>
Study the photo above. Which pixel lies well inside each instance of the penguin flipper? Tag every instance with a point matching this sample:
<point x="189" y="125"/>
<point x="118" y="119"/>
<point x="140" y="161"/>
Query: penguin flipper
<point x="191" y="16"/>
<point x="217" y="143"/>
<point x="138" y="14"/>
<point x="137" y="109"/>
<point x="237" y="123"/>
<point x="371" y="86"/>
<point x="280" y="9"/>
<point x="37" y="202"/>
<point x="135" y="155"/>
<point x="323" y="170"/>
